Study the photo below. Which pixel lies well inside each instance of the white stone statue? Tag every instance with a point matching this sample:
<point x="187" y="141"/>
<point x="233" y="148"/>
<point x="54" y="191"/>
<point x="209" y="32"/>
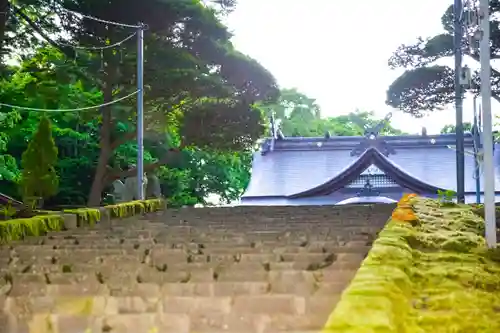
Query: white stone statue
<point x="131" y="187"/>
<point x="153" y="189"/>
<point x="118" y="191"/>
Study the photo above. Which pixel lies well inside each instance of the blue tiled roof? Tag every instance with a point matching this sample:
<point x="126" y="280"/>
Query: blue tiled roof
<point x="284" y="173"/>
<point x="300" y="164"/>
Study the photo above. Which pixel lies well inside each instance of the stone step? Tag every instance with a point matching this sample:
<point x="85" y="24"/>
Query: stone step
<point x="238" y="270"/>
<point x="40" y="256"/>
<point x="188" y="247"/>
<point x="157" y="255"/>
<point x="241" y="237"/>
<point x="167" y="323"/>
<point x="284" y="304"/>
<point x="237" y="233"/>
<point x="182" y="273"/>
<point x="231" y="283"/>
<point x="186" y="225"/>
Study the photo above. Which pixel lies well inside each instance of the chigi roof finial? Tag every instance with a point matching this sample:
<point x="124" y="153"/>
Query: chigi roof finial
<point x="371" y="139"/>
<point x="275" y="132"/>
<point x="373" y="132"/>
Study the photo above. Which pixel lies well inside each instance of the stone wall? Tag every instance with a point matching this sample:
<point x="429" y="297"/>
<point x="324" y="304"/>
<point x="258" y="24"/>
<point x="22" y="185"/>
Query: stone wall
<point x="428" y="271"/>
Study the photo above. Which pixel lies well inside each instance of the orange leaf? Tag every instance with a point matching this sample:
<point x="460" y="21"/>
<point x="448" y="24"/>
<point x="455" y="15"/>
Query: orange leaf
<point x="405" y="199"/>
<point x="403" y="214"/>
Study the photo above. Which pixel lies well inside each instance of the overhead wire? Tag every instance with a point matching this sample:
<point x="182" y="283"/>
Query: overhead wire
<point x="103" y="21"/>
<point x="99" y="48"/>
<point x="38" y="33"/>
<point x="86" y="108"/>
<point x="95" y="48"/>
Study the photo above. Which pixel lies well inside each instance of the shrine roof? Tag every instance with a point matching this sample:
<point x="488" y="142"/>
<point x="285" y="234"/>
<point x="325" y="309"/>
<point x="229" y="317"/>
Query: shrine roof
<point x="289" y="167"/>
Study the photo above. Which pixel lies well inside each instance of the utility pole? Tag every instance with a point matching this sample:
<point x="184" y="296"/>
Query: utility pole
<point x="140" y="112"/>
<point x="489" y="171"/>
<point x="477" y="151"/>
<point x="459" y="134"/>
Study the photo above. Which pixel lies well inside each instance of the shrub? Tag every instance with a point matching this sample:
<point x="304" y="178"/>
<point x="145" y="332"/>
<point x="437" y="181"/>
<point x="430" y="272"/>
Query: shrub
<point x="39" y="178"/>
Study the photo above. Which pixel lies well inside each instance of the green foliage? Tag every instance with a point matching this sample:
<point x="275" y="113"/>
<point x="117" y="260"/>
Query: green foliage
<point x="300" y="115"/>
<point x="195" y="79"/>
<point x="7" y="211"/>
<point x="39" y="177"/>
<point x="206" y="175"/>
<point x="427" y="86"/>
<point x="446" y="197"/>
<point x="452" y="129"/>
<point x="8" y="166"/>
<point x="205" y="102"/>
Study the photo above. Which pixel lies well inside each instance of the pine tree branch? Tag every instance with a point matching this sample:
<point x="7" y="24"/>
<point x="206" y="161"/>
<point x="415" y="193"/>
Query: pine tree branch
<point x="68" y="52"/>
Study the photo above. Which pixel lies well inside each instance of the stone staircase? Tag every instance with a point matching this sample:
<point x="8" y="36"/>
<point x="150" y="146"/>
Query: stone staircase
<point x="210" y="270"/>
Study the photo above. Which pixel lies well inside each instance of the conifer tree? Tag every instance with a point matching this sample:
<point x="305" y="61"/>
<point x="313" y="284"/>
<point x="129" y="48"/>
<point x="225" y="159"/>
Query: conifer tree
<point x="39" y="177"/>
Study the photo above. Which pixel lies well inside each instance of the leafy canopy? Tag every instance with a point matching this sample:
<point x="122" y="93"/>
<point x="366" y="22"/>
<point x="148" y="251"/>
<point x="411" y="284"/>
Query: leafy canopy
<point x="300" y="116"/>
<point x="199" y="90"/>
<point x="199" y="96"/>
<point x="427" y="86"/>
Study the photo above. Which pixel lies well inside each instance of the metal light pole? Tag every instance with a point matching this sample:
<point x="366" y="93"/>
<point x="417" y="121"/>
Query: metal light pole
<point x="140" y="112"/>
<point x="489" y="171"/>
<point x="457" y="41"/>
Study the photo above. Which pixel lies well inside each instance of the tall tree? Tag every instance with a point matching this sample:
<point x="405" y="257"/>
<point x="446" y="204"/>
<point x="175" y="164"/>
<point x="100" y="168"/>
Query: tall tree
<point x="204" y="173"/>
<point x="196" y="83"/>
<point x="426" y="85"/>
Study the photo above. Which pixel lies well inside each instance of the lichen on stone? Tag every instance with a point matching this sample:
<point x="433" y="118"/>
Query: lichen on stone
<point x="18" y="229"/>
<point x="433" y="276"/>
<point x="132" y="208"/>
<point x="85" y="216"/>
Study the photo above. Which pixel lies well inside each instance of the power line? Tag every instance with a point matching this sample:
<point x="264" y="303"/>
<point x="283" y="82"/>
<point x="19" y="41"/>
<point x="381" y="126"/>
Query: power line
<point x="60" y="46"/>
<point x="45" y="37"/>
<point x="92" y="48"/>
<point x="101" y="20"/>
<point x="99" y="48"/>
<point x="87" y="108"/>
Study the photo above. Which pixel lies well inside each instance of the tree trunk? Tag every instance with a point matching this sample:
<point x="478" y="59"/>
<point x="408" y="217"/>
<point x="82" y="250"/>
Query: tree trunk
<point x="98" y="184"/>
<point x="4" y="15"/>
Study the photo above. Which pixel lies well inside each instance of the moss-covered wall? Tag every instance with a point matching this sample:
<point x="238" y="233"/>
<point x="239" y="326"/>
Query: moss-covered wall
<point x="38" y="225"/>
<point x="429" y="271"/>
<point x="17" y="229"/>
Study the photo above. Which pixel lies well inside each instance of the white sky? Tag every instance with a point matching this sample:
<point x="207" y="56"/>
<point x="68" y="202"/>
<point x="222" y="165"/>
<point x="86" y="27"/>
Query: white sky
<point x="337" y="51"/>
